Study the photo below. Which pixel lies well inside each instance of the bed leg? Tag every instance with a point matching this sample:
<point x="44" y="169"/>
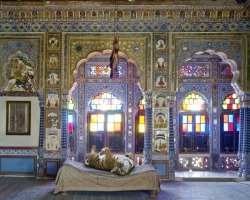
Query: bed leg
<point x="153" y="193"/>
<point x="64" y="193"/>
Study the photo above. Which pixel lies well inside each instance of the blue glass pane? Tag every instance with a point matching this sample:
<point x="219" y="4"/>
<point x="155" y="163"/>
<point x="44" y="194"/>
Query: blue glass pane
<point x="184" y="119"/>
<point x="70" y="118"/>
<point x="225" y="127"/>
<point x="231" y="118"/>
<point x="238" y="127"/>
<point x="203" y="127"/>
<point x="190" y="127"/>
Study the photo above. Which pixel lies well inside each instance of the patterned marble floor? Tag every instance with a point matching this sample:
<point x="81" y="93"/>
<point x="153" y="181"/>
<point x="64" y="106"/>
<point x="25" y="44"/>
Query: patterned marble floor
<point x="33" y="189"/>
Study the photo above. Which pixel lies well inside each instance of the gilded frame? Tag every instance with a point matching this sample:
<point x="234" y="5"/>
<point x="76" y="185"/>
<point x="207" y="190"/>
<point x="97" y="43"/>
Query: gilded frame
<point x="18" y="119"/>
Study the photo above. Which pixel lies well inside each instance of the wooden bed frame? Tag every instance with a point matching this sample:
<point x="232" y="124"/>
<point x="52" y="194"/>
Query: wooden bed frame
<point x="74" y="176"/>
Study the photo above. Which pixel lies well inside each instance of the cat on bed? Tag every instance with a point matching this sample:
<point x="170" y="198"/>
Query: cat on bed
<point x="104" y="160"/>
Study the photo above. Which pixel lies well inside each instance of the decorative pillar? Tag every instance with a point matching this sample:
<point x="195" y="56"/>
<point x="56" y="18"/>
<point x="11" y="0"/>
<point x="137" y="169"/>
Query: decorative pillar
<point x="172" y="106"/>
<point x="64" y="132"/>
<point x="244" y="138"/>
<point x="40" y="156"/>
<point x="147" y="151"/>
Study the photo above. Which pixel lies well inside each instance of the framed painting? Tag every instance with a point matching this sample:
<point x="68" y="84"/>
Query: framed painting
<point x="18" y="117"/>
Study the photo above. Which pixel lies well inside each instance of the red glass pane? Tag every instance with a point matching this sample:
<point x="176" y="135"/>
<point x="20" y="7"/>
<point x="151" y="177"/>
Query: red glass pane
<point x="229" y="106"/>
<point x="237" y="118"/>
<point x="70" y="127"/>
<point x="230" y="127"/>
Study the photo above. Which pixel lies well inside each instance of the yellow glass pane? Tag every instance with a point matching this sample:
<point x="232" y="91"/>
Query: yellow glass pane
<point x="118" y="117"/>
<point x="227" y="101"/>
<point x="190" y="118"/>
<point x="93" y="127"/>
<point x="234" y="96"/>
<point x="141" y="128"/>
<point x="184" y="107"/>
<point x="236" y="101"/>
<point x="141" y="119"/>
<point x="184" y="127"/>
<point x="197" y="128"/>
<point x="186" y="101"/>
<point x="141" y="107"/>
<point x="93" y="118"/>
<point x="99" y="107"/>
<point x="234" y="106"/>
<point x="203" y="119"/>
<point x="104" y="95"/>
<point x="118" y="127"/>
<point x="110" y="127"/>
<point x="100" y="117"/>
<point x="193" y="96"/>
<point x="224" y="106"/>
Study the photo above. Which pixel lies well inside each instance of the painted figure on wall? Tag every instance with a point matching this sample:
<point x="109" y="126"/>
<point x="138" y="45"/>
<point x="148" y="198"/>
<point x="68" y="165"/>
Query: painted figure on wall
<point x="160" y="82"/>
<point x="160" y="63"/>
<point x="160" y="44"/>
<point x="53" y="79"/>
<point x="160" y="101"/>
<point x="160" y="120"/>
<point x="52" y="100"/>
<point x="52" y="120"/>
<point x="52" y="139"/>
<point x="53" y="61"/>
<point x="20" y="75"/>
<point x="160" y="144"/>
<point x="53" y="43"/>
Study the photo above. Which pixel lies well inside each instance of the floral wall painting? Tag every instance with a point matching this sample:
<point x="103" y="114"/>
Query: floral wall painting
<point x="160" y="143"/>
<point x="160" y="101"/>
<point x="160" y="82"/>
<point x="53" y="137"/>
<point x="160" y="44"/>
<point x="160" y="63"/>
<point x="53" y="120"/>
<point x="20" y="74"/>
<point x="53" y="79"/>
<point x="53" y="61"/>
<point x="160" y="120"/>
<point x="52" y="100"/>
<point x="53" y="42"/>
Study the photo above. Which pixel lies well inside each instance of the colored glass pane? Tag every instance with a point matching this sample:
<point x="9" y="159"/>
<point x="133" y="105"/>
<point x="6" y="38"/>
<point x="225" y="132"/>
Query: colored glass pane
<point x="190" y="118"/>
<point x="225" y="118"/>
<point x="184" y="119"/>
<point x="100" y="117"/>
<point x="184" y="107"/>
<point x="118" y="117"/>
<point x="225" y="127"/>
<point x="237" y="118"/>
<point x="238" y="127"/>
<point x="100" y="127"/>
<point x="230" y="127"/>
<point x="230" y="118"/>
<point x="141" y="128"/>
<point x="184" y="127"/>
<point x="70" y="118"/>
<point x="203" y="119"/>
<point x="93" y="127"/>
<point x="190" y="127"/>
<point x="70" y="127"/>
<point x="224" y="106"/>
<point x="197" y="119"/>
<point x="110" y="118"/>
<point x="197" y="128"/>
<point x="141" y="119"/>
<point x="232" y="102"/>
<point x="93" y="118"/>
<point x="193" y="102"/>
<point x="117" y="126"/>
<point x="110" y="127"/>
<point x="203" y="127"/>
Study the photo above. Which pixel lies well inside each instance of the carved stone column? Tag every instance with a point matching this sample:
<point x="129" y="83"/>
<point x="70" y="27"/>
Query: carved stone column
<point x="40" y="156"/>
<point x="148" y="133"/>
<point x="244" y="137"/>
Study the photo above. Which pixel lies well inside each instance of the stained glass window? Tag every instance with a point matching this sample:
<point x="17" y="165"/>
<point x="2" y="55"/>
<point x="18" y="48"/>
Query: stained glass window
<point x="105" y="122"/>
<point x="103" y="71"/>
<point x="194" y="71"/>
<point x="231" y="102"/>
<point x="193" y="102"/>
<point x="105" y="101"/>
<point x="141" y="126"/>
<point x="230" y="124"/>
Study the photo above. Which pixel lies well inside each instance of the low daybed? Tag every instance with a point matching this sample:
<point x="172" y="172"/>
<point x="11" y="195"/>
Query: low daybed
<point x="74" y="176"/>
